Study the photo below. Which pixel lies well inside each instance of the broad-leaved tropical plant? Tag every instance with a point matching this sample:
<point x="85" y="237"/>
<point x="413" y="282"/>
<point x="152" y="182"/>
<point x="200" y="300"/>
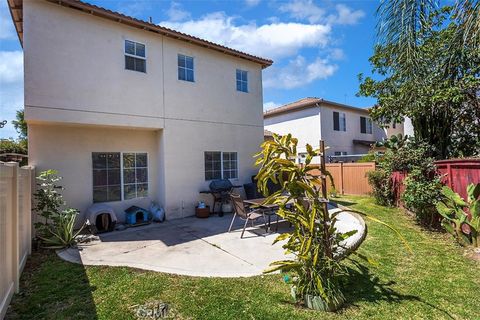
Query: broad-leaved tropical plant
<point x="461" y="217"/>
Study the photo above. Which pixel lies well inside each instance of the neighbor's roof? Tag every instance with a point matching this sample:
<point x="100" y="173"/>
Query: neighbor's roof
<point x="306" y="103"/>
<point x="267" y="133"/>
<point x="16" y="11"/>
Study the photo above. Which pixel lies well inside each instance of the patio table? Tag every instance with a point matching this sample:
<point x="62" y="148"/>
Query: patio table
<point x="268" y="209"/>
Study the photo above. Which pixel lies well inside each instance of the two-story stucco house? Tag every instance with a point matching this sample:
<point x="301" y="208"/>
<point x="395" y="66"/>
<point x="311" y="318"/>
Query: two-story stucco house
<point x="346" y="130"/>
<point x="129" y="112"/>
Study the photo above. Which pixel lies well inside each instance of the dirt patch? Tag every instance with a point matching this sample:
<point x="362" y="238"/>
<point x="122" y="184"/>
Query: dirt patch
<point x="473" y="254"/>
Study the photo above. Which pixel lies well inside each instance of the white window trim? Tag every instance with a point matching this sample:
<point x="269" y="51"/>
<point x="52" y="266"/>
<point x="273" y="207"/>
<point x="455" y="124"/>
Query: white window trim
<point x="340" y="122"/>
<point x="122" y="198"/>
<point x="193" y="69"/>
<point x="134" y="55"/>
<point x="221" y="165"/>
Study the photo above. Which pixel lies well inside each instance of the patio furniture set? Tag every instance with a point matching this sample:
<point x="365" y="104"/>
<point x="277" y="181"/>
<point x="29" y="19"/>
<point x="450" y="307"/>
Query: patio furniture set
<point x="250" y="209"/>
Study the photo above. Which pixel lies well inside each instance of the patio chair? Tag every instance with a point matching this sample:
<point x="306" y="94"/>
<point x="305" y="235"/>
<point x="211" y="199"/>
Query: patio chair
<point x="241" y="211"/>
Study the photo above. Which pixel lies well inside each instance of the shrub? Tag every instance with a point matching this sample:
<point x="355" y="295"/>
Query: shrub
<point x="57" y="228"/>
<point x="381" y="184"/>
<point x="421" y="196"/>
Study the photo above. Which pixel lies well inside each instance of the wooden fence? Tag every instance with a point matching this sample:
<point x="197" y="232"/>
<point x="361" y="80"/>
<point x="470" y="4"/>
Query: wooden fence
<point x="15" y="227"/>
<point x="458" y="174"/>
<point x="350" y="178"/>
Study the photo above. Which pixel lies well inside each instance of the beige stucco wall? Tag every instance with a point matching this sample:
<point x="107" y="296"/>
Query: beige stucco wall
<point x="342" y="140"/>
<point x="312" y="124"/>
<point x="68" y="149"/>
<point x="184" y="159"/>
<point x="75" y="72"/>
<point x="303" y="125"/>
<point x="79" y="99"/>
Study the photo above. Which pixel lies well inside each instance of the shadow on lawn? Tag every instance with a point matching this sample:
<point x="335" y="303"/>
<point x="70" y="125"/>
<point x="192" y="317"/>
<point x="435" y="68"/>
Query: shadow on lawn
<point x="52" y="288"/>
<point x="342" y="202"/>
<point x="362" y="285"/>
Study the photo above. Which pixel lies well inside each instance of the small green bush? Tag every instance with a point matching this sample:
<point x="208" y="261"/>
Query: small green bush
<point x="422" y="192"/>
<point x="381" y="184"/>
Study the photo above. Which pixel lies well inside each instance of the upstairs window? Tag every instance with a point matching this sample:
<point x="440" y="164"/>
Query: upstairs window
<point x="340" y="153"/>
<point x="365" y="125"/>
<point x="135" y="58"/>
<point x="221" y="165"/>
<point x="185" y="68"/>
<point x="339" y="121"/>
<point x="242" y="81"/>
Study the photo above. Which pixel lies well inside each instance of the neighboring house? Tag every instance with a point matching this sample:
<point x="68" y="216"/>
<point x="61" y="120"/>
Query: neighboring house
<point x="346" y="130"/>
<point x="129" y="112"/>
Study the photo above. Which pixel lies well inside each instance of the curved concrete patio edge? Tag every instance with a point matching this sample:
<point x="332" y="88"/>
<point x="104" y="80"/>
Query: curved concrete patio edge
<point x="190" y="247"/>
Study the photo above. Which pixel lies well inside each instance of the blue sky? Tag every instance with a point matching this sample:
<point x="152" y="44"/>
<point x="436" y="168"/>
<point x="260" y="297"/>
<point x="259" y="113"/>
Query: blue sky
<point x="318" y="47"/>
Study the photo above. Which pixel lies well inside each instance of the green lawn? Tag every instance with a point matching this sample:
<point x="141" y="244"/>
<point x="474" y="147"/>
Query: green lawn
<point x="435" y="282"/>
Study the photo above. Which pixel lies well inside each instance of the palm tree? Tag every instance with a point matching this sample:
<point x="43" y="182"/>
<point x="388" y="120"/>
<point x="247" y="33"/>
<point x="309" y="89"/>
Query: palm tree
<point x="400" y="23"/>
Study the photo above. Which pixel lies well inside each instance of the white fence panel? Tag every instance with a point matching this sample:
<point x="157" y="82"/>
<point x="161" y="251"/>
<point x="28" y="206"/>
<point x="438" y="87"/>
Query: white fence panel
<point x="15" y="227"/>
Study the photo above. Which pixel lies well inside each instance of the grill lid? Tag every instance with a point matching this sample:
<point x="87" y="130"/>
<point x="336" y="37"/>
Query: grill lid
<point x="220" y="185"/>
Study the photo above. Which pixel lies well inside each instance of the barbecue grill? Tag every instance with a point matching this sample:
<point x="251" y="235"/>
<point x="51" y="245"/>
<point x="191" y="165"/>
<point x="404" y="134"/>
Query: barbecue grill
<point x="220" y="190"/>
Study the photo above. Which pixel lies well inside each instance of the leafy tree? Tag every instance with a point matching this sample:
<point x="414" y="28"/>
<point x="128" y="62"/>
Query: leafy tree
<point x="437" y="87"/>
<point x="20" y="125"/>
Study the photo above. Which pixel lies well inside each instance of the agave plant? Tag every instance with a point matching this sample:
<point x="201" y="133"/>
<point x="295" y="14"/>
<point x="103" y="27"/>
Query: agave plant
<point x="461" y="217"/>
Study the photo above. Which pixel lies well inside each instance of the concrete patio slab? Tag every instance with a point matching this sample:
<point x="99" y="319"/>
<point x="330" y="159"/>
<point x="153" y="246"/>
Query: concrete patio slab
<point x="190" y="246"/>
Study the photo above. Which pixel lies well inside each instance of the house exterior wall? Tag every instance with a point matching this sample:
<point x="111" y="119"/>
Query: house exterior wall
<point x="343" y="140"/>
<point x="77" y="88"/>
<point x="68" y="149"/>
<point x="303" y="125"/>
<point x="315" y="123"/>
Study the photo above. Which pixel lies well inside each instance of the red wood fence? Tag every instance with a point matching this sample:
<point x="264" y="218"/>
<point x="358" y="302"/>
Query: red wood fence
<point x="459" y="173"/>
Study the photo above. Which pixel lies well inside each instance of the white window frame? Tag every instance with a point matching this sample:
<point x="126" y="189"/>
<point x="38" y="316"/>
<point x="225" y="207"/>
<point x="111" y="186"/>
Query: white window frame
<point x="221" y="164"/>
<point x="241" y="79"/>
<point x="193" y="67"/>
<point x="122" y="198"/>
<point x="134" y="55"/>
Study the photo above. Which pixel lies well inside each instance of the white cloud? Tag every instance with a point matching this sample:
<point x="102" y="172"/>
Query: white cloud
<point x="11" y="89"/>
<point x="304" y="9"/>
<point x="11" y="67"/>
<point x="134" y="8"/>
<point x="176" y="13"/>
<point x="298" y="72"/>
<point x="308" y="10"/>
<point x="336" y="54"/>
<point x="252" y="3"/>
<point x="345" y="15"/>
<point x="274" y="40"/>
<point x="7" y="30"/>
<point x="270" y="105"/>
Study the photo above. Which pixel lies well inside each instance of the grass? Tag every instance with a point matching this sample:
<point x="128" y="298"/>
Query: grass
<point x="434" y="282"/>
